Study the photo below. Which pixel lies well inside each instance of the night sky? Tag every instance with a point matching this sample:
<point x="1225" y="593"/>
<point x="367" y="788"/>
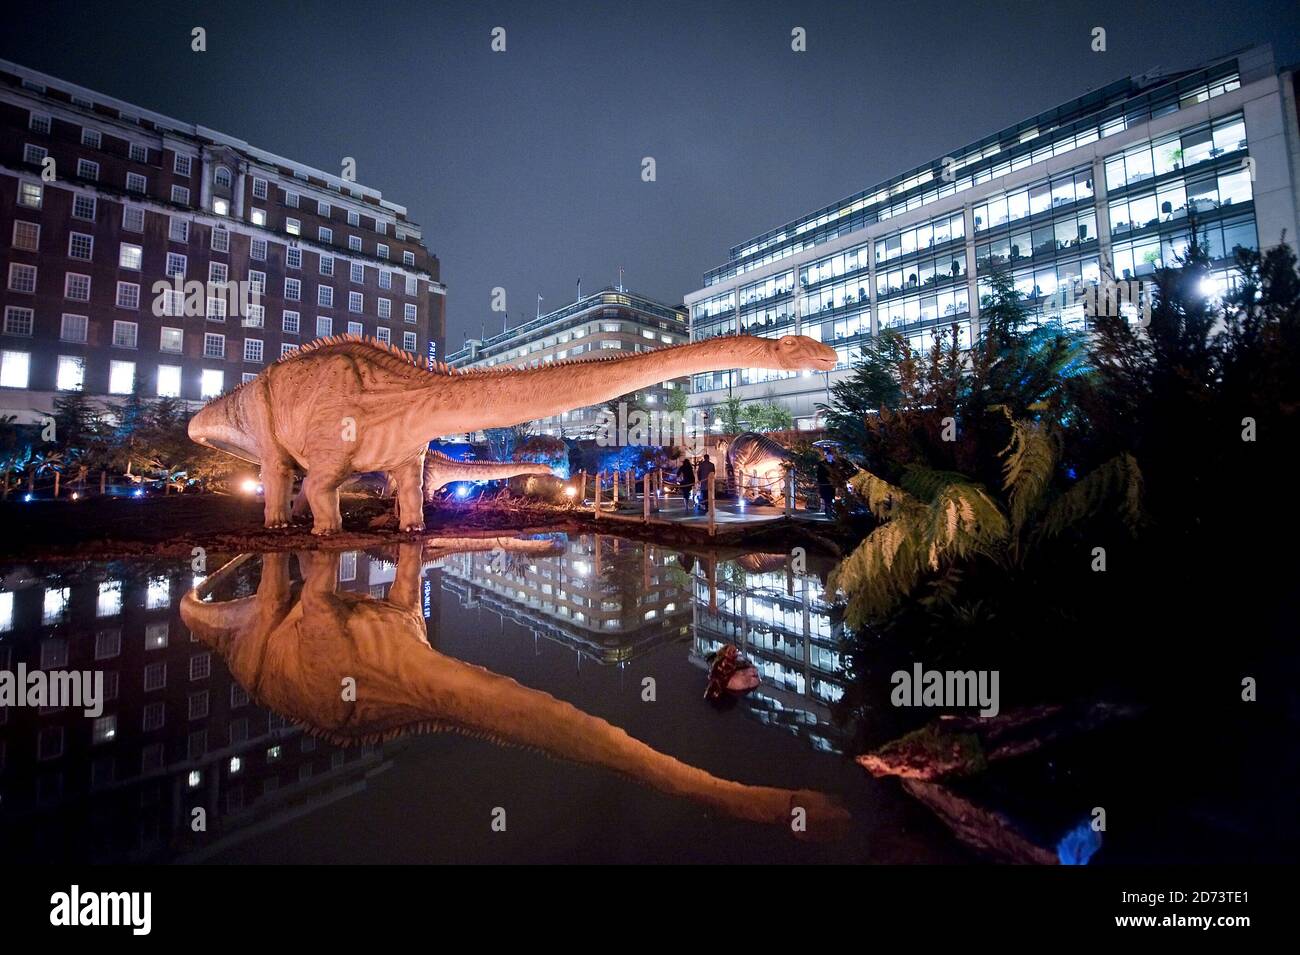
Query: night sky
<point x="524" y="167"/>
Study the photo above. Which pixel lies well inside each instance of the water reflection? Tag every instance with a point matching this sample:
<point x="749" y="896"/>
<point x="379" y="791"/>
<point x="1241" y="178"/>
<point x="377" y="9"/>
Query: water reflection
<point x="209" y="692"/>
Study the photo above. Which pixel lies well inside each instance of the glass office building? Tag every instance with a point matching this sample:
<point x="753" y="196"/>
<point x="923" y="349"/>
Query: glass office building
<point x="1100" y="186"/>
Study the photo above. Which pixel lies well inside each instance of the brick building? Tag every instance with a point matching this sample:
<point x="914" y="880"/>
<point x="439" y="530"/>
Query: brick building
<point x="123" y="229"/>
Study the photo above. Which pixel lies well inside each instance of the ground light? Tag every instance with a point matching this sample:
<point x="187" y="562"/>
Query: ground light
<point x="570" y="491"/>
<point x="138" y="492"/>
<point x="249" y="486"/>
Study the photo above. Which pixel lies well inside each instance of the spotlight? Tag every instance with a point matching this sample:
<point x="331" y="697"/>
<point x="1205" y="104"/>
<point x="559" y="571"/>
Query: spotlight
<point x="249" y="486"/>
<point x="570" y="491"/>
<point x="27" y="497"/>
<point x="75" y="496"/>
<point x="138" y="492"/>
<point x="462" y="490"/>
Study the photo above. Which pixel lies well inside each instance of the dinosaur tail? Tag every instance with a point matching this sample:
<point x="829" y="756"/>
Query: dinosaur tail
<point x="440" y="470"/>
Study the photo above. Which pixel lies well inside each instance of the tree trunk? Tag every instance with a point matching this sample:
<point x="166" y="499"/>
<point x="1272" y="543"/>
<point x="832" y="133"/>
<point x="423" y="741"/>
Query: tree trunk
<point x="58" y="475"/>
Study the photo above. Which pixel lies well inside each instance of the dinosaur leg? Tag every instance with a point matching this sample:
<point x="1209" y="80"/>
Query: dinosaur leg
<point x="321" y="486"/>
<point x="277" y="489"/>
<point x="300" y="503"/>
<point x="410" y="494"/>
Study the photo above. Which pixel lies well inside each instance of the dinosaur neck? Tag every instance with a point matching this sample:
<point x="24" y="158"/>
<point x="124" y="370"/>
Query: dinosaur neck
<point x="513" y="396"/>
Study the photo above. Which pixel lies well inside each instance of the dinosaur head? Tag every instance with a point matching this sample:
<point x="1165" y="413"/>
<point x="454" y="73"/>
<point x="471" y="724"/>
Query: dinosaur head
<point x="797" y="353"/>
<point x="219" y="425"/>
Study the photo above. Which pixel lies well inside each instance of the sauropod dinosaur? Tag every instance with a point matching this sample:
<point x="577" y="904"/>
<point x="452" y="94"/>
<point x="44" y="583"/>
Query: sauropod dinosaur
<point x="293" y="649"/>
<point x="343" y="406"/>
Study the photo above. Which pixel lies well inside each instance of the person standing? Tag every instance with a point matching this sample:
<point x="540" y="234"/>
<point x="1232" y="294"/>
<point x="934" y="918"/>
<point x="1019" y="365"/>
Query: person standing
<point x="825" y="488"/>
<point x="686" y="478"/>
<point x="705" y="475"/>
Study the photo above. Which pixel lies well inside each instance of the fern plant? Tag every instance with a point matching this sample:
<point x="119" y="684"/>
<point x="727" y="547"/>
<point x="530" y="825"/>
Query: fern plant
<point x="932" y="522"/>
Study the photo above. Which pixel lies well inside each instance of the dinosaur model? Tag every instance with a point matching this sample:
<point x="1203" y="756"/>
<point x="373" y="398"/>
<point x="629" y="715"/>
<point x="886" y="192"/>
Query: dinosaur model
<point x="344" y="406"/>
<point x="294" y="649"/>
<point x="758" y="464"/>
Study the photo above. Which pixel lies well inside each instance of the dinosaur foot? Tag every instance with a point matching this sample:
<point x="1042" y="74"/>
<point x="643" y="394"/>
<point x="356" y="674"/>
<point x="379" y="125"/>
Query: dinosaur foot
<point x="412" y="528"/>
<point x="325" y="531"/>
<point x="276" y="526"/>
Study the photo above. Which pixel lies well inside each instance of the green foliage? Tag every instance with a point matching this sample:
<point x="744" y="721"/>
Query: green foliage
<point x="730" y="414"/>
<point x="767" y="416"/>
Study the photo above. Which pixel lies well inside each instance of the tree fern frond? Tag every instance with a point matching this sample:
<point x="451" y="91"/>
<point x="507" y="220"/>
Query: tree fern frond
<point x="1029" y="460"/>
<point x="883" y="499"/>
<point x="1120" y="477"/>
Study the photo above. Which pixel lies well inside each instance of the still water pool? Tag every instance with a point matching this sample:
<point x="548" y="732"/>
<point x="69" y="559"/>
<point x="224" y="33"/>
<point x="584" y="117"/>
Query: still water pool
<point x="468" y="700"/>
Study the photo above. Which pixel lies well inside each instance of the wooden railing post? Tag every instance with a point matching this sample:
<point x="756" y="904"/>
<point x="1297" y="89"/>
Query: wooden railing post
<point x="615" y="488"/>
<point x="596" y="501"/>
<point x="645" y="498"/>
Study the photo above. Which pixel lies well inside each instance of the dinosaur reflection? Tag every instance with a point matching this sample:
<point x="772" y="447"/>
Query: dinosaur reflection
<point x="293" y="648"/>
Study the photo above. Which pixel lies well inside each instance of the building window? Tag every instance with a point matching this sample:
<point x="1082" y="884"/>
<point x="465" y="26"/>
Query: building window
<point x="408" y="341"/>
<point x="354" y="218"/>
<point x="29" y="195"/>
<point x="325" y="296"/>
<point x="381" y="250"/>
<point x="176" y="263"/>
<point x="34" y="155"/>
<point x="218" y="273"/>
<point x="253" y="349"/>
<point x="14" y="366"/>
<point x="128" y="295"/>
<point x="121" y="377"/>
<point x="83" y="207"/>
<point x="258" y="216"/>
<point x="216" y="309"/>
<point x="409" y="312"/>
<point x="324" y="326"/>
<point x="132" y="219"/>
<point x="326" y="265"/>
<point x="257" y="250"/>
<point x="383" y="334"/>
<point x="155" y="677"/>
<point x="408" y="258"/>
<point x="356" y="328"/>
<point x="358" y="273"/>
<point x="220" y="239"/>
<point x="73" y="328"/>
<point x="181" y="165"/>
<point x="257" y="282"/>
<point x="130" y="256"/>
<point x="178" y="230"/>
<point x="71" y="373"/>
<point x="155" y="715"/>
<point x="136" y="182"/>
<point x="292" y="290"/>
<point x="324" y="234"/>
<point x="91" y="138"/>
<point x="19" y="321"/>
<point x="87" y="170"/>
<point x="214" y="345"/>
<point x="124" y="334"/>
<point x="81" y="246"/>
<point x="382" y="228"/>
<point x="356" y="301"/>
<point x="169" y="381"/>
<point x="76" y="287"/>
<point x="259" y="188"/>
<point x="181" y="195"/>
<point x="323" y="209"/>
<point x="27" y="236"/>
<point x="211" y="383"/>
<point x="287" y="349"/>
<point x="108" y="643"/>
<point x="385" y="308"/>
<point x="293" y="257"/>
<point x="293" y="226"/>
<point x="39" y="123"/>
<point x="255" y="317"/>
<point x="354" y="243"/>
<point x="289" y="322"/>
<point x="385" y="279"/>
<point x="49" y="744"/>
<point x="221" y="207"/>
<point x="222" y="178"/>
<point x="171" y="340"/>
<point x="291" y="199"/>
<point x="173" y="303"/>
<point x="138" y="152"/>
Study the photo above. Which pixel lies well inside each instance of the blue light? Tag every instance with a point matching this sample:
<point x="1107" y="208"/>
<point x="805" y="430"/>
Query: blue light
<point x="27" y="497"/>
<point x="462" y="490"/>
<point x="1079" y="844"/>
<point x="138" y="492"/>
